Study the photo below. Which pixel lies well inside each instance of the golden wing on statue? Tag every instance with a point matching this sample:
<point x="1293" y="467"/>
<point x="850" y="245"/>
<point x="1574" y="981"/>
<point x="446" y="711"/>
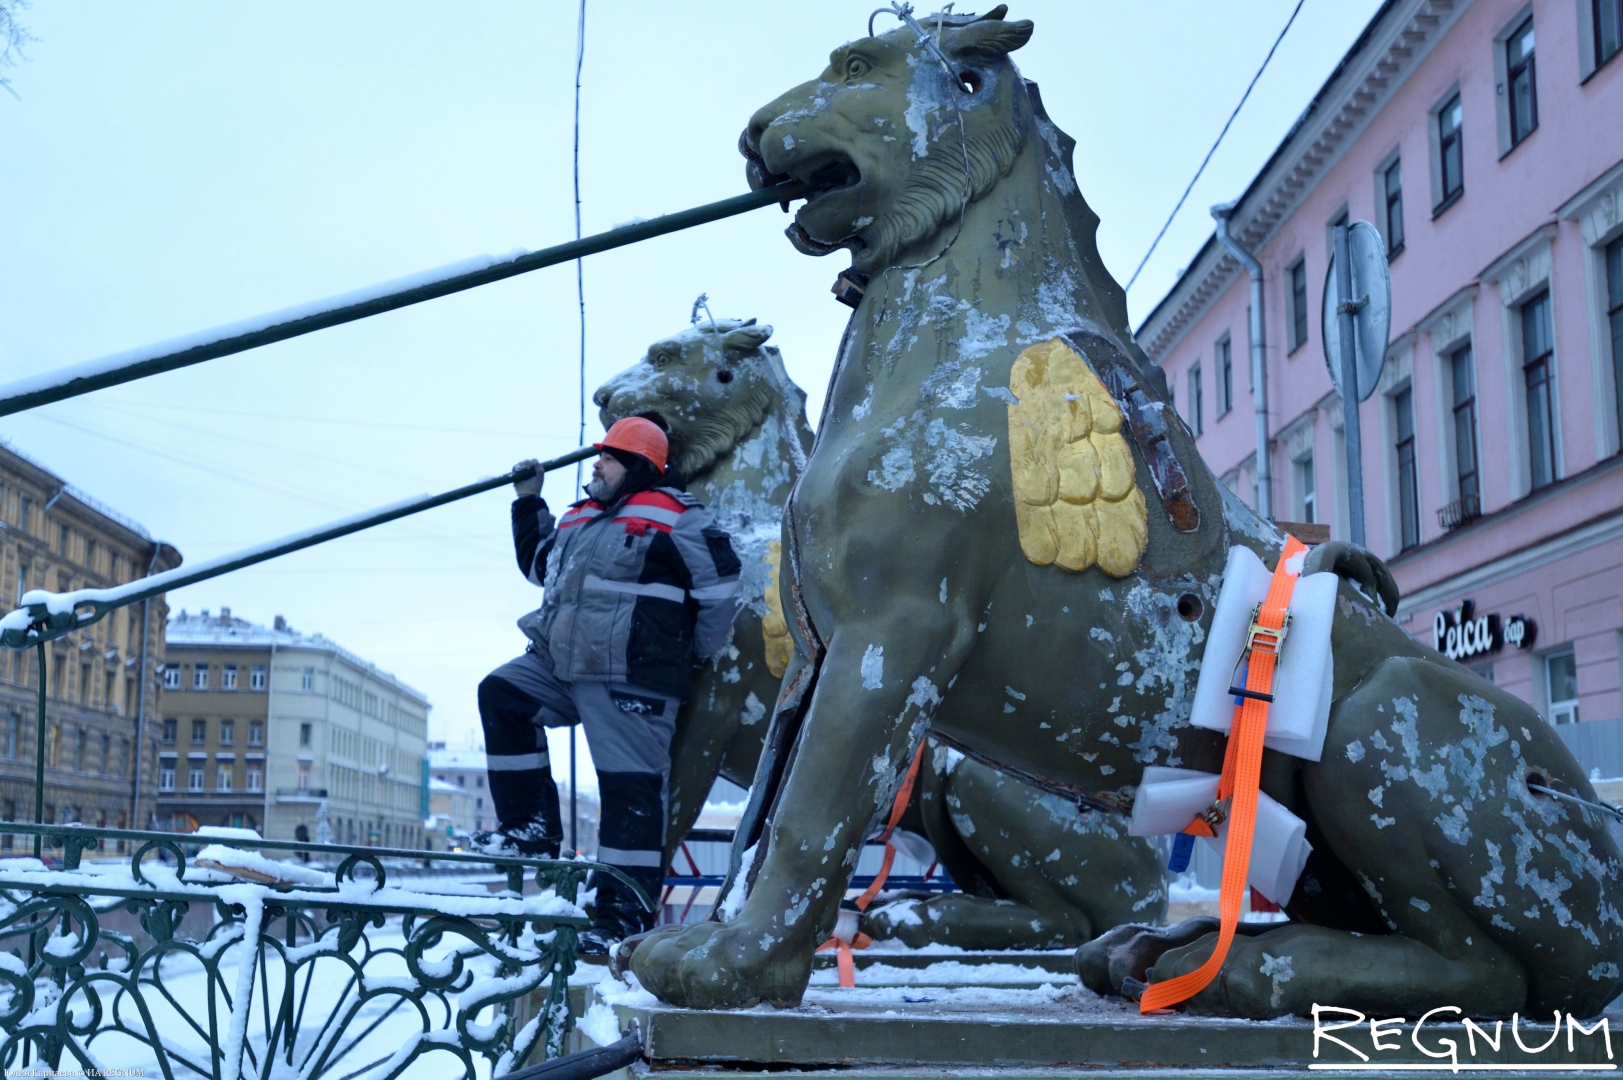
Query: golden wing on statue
<point x="774" y="629"/>
<point x="1075" y="500"/>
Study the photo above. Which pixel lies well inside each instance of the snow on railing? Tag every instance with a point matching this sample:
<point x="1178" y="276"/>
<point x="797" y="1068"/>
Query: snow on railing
<point x="330" y="970"/>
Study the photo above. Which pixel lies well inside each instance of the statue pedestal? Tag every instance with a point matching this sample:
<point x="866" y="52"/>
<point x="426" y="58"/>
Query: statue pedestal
<point x="985" y="1014"/>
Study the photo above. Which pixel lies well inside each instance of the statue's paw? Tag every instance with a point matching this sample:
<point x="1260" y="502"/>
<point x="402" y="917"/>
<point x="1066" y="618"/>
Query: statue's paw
<point x="1251" y="984"/>
<point x="903" y="921"/>
<point x="1127" y="952"/>
<point x="712" y="965"/>
<point x="1092" y="960"/>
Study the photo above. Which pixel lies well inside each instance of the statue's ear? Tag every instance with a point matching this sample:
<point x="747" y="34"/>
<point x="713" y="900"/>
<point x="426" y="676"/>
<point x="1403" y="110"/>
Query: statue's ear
<point x="988" y="39"/>
<point x="745" y="339"/>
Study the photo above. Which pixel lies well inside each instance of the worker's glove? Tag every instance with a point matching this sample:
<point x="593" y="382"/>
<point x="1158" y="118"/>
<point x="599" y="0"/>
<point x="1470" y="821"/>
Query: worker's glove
<point x="532" y="486"/>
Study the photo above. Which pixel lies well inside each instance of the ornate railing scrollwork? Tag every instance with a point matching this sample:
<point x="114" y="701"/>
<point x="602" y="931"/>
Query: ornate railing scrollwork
<point x="190" y="970"/>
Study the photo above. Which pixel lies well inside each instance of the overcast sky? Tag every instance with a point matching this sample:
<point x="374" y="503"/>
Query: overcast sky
<point x="169" y="166"/>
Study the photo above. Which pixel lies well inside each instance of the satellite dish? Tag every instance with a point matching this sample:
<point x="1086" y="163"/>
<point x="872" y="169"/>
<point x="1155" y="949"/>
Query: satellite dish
<point x="1372" y="321"/>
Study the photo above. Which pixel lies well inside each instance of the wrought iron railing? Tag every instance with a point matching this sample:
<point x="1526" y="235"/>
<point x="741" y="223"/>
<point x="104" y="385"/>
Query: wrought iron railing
<point x="299" y="971"/>
<point x="1461" y="511"/>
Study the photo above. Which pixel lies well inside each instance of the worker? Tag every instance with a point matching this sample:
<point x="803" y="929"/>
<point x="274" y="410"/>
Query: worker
<point x="641" y="588"/>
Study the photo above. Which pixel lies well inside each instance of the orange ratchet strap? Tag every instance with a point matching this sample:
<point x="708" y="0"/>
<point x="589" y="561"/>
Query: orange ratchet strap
<point x="843" y="957"/>
<point x="1241" y="779"/>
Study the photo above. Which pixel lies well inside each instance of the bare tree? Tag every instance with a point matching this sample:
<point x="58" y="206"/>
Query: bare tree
<point x="13" y="37"/>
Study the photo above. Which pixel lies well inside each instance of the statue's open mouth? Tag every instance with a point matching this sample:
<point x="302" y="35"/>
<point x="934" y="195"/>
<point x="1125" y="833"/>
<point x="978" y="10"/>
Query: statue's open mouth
<point x="833" y="181"/>
<point x="831" y="174"/>
<point x="838" y="174"/>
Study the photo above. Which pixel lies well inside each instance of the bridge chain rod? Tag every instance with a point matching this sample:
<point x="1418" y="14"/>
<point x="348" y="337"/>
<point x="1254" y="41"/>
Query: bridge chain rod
<point x="78" y="379"/>
<point x="45" y="615"/>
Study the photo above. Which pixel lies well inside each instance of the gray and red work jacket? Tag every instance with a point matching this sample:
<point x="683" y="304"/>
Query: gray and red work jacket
<point x="636" y="591"/>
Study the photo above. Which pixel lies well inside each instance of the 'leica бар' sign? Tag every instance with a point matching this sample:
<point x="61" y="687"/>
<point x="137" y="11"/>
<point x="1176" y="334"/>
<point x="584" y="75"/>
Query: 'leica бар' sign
<point x="1462" y="633"/>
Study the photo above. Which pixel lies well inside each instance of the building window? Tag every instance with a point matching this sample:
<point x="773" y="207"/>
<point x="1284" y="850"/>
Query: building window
<point x="1408" y="482"/>
<point x="1196" y="402"/>
<point x="1614" y="313"/>
<point x="1522" y="91"/>
<point x="308" y="679"/>
<point x="304" y="776"/>
<point x="304" y="734"/>
<point x="1608" y="23"/>
<point x="79" y="750"/>
<point x="1297" y="277"/>
<point x="228" y="732"/>
<point x="1392" y="183"/>
<point x="200" y="677"/>
<point x="194" y="776"/>
<point x="228" y="677"/>
<point x="1468" y="482"/>
<point x="224" y="776"/>
<point x="1450" y="151"/>
<point x="170" y="728"/>
<point x="1538" y="354"/>
<point x="256" y="677"/>
<point x="256" y="733"/>
<point x="256" y="776"/>
<point x="171" y="677"/>
<point x="1306" y="497"/>
<point x="14" y="726"/>
<point x="106" y="755"/>
<point x="1223" y="357"/>
<point x="200" y="732"/>
<point x="22" y="580"/>
<point x="166" y="775"/>
<point x="1561" y="684"/>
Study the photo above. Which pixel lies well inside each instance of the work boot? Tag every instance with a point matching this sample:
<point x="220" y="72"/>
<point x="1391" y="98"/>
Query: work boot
<point x="618" y="915"/>
<point x="528" y="840"/>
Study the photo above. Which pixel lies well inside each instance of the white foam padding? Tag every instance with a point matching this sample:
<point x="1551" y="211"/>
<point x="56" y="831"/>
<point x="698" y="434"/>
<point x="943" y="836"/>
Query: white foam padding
<point x="1300" y="712"/>
<point x="1168" y="799"/>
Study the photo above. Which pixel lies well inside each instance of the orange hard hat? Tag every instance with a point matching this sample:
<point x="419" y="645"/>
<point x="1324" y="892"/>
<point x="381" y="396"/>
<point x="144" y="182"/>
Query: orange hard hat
<point x="636" y="435"/>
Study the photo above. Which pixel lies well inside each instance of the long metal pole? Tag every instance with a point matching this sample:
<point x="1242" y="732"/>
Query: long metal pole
<point x="78" y="379"/>
<point x="1259" y="365"/>
<point x="580" y="299"/>
<point x="101" y="602"/>
<point x="141" y="697"/>
<point x="1351" y="425"/>
<point x="39" y="754"/>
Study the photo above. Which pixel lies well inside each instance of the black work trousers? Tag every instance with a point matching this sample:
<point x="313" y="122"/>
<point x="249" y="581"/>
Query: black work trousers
<point x="628" y="730"/>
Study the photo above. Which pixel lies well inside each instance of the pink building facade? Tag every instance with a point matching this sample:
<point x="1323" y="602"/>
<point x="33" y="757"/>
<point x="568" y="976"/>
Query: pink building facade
<point x="1485" y="141"/>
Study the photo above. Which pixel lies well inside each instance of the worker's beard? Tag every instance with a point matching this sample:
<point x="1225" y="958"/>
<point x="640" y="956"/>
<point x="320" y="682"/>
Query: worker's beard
<point x="601" y="490"/>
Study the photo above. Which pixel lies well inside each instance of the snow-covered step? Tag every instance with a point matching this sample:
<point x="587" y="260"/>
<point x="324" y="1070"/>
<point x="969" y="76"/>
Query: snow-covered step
<point x="1058" y="962"/>
<point x="907" y="1022"/>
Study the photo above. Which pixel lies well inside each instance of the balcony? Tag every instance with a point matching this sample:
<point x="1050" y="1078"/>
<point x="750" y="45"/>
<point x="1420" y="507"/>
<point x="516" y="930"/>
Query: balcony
<point x="300" y="794"/>
<point x="168" y="795"/>
<point x="1461" y="511"/>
